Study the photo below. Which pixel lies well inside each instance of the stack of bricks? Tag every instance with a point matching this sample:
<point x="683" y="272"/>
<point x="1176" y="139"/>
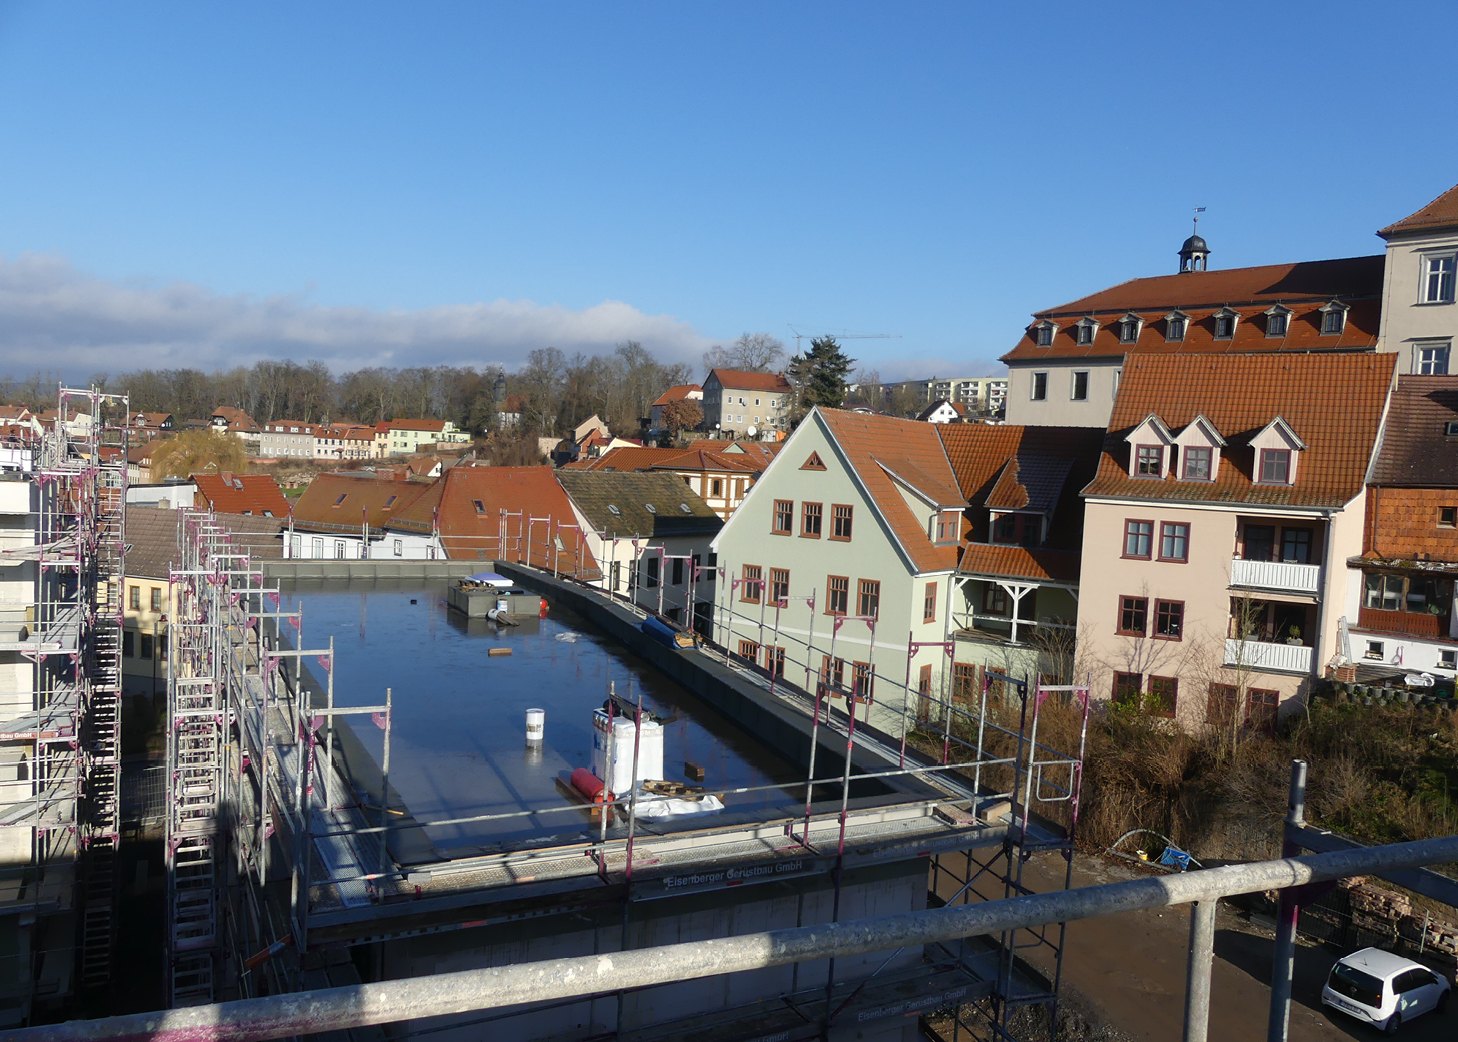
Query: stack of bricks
<point x="1387" y="911"/>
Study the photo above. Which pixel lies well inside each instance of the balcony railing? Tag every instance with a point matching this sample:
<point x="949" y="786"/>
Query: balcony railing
<point x="1275" y="575"/>
<point x="1410" y="623"/>
<point x="1278" y="658"/>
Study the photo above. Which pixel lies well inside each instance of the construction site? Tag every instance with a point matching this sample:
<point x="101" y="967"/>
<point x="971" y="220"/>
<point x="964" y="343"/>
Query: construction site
<point x="355" y="791"/>
<point x="62" y="543"/>
<point x="326" y="827"/>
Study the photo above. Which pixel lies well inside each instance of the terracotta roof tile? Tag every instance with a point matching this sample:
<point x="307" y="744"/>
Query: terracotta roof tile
<point x="1020" y="562"/>
<point x="875" y="444"/>
<point x="256" y="494"/>
<point x="1303" y="288"/>
<point x="470" y="532"/>
<point x="1442" y="212"/>
<point x="342" y="502"/>
<point x="741" y="380"/>
<point x="1333" y="402"/>
<point x="1416" y="450"/>
<point x="676" y="392"/>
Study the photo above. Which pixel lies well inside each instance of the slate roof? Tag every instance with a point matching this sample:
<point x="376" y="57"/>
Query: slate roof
<point x="469" y="533"/>
<point x="1416" y="450"/>
<point x="1333" y="402"/>
<point x="1302" y="287"/>
<point x="341" y="502"/>
<point x="617" y="503"/>
<point x="876" y="445"/>
<point x="1441" y="213"/>
<point x="742" y="380"/>
<point x="152" y="536"/>
<point x="230" y="493"/>
<point x="1030" y="482"/>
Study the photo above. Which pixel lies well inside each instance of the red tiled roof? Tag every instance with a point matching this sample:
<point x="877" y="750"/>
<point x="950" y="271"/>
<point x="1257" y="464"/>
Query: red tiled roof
<point x="694" y="459"/>
<point x="676" y="392"/>
<point x="342" y="502"/>
<point x="1333" y="402"/>
<point x="430" y="426"/>
<point x="471" y="533"/>
<point x="238" y="420"/>
<point x="256" y="494"/>
<point x="741" y="380"/>
<point x="1019" y="562"/>
<point x="1303" y="288"/>
<point x="1416" y="450"/>
<point x="1442" y="212"/>
<point x="874" y="445"/>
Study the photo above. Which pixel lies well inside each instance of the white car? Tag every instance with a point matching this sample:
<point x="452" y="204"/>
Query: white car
<point x="1383" y="989"/>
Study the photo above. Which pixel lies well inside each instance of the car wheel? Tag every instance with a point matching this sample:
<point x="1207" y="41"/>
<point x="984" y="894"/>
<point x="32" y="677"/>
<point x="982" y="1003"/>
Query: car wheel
<point x="1442" y="1006"/>
<point x="1393" y="1023"/>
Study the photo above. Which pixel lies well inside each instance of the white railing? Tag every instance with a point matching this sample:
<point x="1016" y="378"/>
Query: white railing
<point x="1255" y="654"/>
<point x="1276" y="575"/>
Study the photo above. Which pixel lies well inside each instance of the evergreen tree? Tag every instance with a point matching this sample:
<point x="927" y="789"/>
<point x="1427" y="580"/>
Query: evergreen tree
<point x="820" y="374"/>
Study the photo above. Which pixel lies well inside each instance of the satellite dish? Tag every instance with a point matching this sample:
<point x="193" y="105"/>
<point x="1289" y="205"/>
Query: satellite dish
<point x="753" y="430"/>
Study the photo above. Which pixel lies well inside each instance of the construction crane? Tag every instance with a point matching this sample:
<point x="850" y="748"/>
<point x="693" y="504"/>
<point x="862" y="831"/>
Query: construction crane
<point x="799" y="336"/>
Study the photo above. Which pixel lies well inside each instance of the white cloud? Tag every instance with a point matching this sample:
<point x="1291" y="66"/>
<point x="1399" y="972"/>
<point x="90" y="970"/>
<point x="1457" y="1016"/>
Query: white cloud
<point x="55" y="318"/>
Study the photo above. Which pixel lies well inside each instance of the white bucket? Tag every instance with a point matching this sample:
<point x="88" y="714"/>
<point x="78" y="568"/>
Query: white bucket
<point x="536" y="724"/>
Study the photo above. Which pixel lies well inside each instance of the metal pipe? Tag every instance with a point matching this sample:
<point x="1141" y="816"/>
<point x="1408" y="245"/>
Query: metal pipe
<point x="383" y="1002"/>
<point x="1197" y="971"/>
<point x="1283" y="960"/>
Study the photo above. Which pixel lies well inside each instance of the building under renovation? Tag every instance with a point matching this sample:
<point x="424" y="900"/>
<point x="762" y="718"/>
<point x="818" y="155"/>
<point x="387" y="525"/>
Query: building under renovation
<point x="322" y="830"/>
<point x="62" y="494"/>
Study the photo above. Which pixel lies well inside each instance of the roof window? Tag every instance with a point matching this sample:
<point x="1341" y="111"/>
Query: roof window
<point x="1043" y="333"/>
<point x="1278" y="321"/>
<point x="613" y="510"/>
<point x="1175" y="325"/>
<point x="1226" y="319"/>
<point x="686" y="508"/>
<point x="650" y="508"/>
<point x="1085" y="330"/>
<point x="1129" y="327"/>
<point x="341" y="499"/>
<point x="1450" y="429"/>
<point x="390" y="502"/>
<point x="1333" y="318"/>
<point x="480" y="506"/>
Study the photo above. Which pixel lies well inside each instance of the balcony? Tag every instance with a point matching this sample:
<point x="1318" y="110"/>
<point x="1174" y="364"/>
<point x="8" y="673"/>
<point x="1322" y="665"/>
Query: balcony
<point x="1279" y="576"/>
<point x="1408" y="623"/>
<point x="1271" y="658"/>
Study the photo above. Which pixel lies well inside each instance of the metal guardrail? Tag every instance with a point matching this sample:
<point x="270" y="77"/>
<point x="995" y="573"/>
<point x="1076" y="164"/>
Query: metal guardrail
<point x="334" y="1009"/>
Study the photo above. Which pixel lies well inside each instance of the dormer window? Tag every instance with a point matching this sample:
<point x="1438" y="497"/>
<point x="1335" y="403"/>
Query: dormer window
<point x="1147" y="443"/>
<point x="1043" y="333"/>
<point x="1225" y="323"/>
<point x="1196" y="462"/>
<point x="1175" y="325"/>
<point x="1148" y="461"/>
<point x="1129" y="327"/>
<point x="1278" y="321"/>
<point x="1275" y="466"/>
<point x="1085" y="330"/>
<point x="1333" y="318"/>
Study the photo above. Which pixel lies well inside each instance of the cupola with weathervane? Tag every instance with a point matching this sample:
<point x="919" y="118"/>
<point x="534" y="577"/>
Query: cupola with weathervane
<point x="1194" y="254"/>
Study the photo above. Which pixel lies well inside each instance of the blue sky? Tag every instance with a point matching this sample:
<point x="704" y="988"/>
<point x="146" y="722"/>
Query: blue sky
<point x="408" y="184"/>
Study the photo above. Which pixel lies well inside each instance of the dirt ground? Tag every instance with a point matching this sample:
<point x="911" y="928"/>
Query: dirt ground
<point x="1130" y="969"/>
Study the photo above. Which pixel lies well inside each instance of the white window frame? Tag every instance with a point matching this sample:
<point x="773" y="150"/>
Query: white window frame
<point x="1073" y="395"/>
<point x="1041" y="329"/>
<point x="1278" y="312"/>
<point x="1434" y="365"/>
<point x="1425" y="275"/>
<point x="1340" y="311"/>
<point x="1085" y="324"/>
<point x="1128" y="320"/>
<point x="1232" y="315"/>
<point x="1184" y="321"/>
<point x="1033" y="394"/>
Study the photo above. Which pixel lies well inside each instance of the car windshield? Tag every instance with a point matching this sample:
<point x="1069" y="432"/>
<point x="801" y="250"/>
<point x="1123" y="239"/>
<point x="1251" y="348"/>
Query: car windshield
<point x="1356" y="985"/>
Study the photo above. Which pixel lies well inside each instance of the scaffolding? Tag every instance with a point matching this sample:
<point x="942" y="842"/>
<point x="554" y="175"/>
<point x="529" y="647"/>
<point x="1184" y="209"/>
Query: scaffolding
<point x="277" y="851"/>
<point x="62" y="738"/>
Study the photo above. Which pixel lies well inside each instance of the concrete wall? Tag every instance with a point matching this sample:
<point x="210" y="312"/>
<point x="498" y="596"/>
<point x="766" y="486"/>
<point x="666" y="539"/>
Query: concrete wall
<point x="303" y="568"/>
<point x="1059" y="409"/>
<point x="1405" y="319"/>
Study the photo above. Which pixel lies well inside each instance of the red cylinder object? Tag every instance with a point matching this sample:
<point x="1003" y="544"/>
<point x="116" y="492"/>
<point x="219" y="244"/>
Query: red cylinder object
<point x="542" y="610"/>
<point x="590" y="785"/>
